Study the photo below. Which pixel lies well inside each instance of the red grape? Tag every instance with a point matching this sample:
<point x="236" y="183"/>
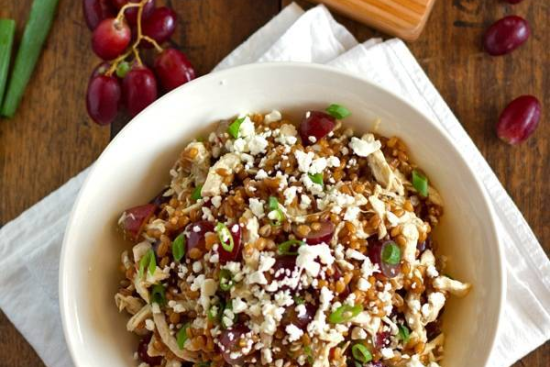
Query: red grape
<point x="195" y="233"/>
<point x="160" y="26"/>
<point x="229" y="340"/>
<point x="139" y="88"/>
<point x="301" y="321"/>
<point x="97" y="10"/>
<point x="236" y="253"/>
<point x="505" y="35"/>
<point x="131" y="13"/>
<point x="100" y="69"/>
<point x="519" y="120"/>
<point x="135" y="218"/>
<point x="322" y="235"/>
<point x="111" y="38"/>
<point x="315" y="126"/>
<point x="513" y="1"/>
<point x="103" y="99"/>
<point x="173" y="69"/>
<point x="375" y="254"/>
<point x="142" y="352"/>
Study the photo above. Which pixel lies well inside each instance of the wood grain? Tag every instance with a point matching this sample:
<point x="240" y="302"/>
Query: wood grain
<point x="402" y="18"/>
<point x="51" y="138"/>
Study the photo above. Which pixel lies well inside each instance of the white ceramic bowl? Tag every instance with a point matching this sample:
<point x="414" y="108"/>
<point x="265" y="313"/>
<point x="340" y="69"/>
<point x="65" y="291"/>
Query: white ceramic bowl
<point x="135" y="166"/>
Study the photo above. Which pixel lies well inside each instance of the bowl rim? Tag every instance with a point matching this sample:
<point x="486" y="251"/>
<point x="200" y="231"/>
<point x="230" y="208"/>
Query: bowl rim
<point x="64" y="296"/>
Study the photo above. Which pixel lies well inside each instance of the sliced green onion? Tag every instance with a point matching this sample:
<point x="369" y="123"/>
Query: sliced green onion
<point x="214" y="312"/>
<point x="7" y="31"/>
<point x="200" y="139"/>
<point x="391" y="254"/>
<point x="122" y="69"/>
<point x="182" y="337"/>
<point x="226" y="280"/>
<point x="404" y="333"/>
<point x="361" y="353"/>
<point x="36" y="30"/>
<point x="228" y="306"/>
<point x="357" y="364"/>
<point x="420" y="183"/>
<point x="197" y="195"/>
<point x="178" y="247"/>
<point x="234" y="127"/>
<point x="299" y="300"/>
<point x="276" y="216"/>
<point x="337" y="111"/>
<point x="158" y="295"/>
<point x="225" y="236"/>
<point x="309" y="354"/>
<point x="285" y="247"/>
<point x="316" y="178"/>
<point x="148" y="261"/>
<point x="273" y="203"/>
<point x="344" y="313"/>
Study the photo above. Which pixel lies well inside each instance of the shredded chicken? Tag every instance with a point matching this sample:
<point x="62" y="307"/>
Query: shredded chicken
<point x="214" y="181"/>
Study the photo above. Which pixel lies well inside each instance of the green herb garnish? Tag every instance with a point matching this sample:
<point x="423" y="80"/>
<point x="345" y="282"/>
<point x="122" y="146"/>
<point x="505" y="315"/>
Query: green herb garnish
<point x="361" y="353"/>
<point x="226" y="280"/>
<point x="225" y="236"/>
<point x="420" y="183"/>
<point x="338" y="112"/>
<point x="158" y="295"/>
<point x="178" y="247"/>
<point x="404" y="333"/>
<point x="182" y="337"/>
<point x="234" y="127"/>
<point x="196" y="195"/>
<point x="316" y="178"/>
<point x="148" y="261"/>
<point x="391" y="253"/>
<point x="286" y="247"/>
<point x="344" y="313"/>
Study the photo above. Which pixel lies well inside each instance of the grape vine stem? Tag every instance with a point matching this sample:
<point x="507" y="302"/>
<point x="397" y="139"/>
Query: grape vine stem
<point x="140" y="37"/>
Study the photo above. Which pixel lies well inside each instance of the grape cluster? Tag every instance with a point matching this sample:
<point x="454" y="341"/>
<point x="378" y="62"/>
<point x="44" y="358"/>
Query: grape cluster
<point x="122" y="30"/>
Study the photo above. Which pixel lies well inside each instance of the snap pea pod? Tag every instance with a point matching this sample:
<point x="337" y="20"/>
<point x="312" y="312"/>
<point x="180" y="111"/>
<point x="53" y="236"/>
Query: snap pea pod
<point x="7" y="30"/>
<point x="35" y="33"/>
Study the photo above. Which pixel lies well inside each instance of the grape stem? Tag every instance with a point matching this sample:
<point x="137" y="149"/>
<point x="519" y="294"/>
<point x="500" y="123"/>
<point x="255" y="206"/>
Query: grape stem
<point x="140" y="37"/>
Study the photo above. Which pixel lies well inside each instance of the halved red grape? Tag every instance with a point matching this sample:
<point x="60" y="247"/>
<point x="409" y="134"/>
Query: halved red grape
<point x="323" y="235"/>
<point x="519" y="120"/>
<point x="160" y="198"/>
<point x="315" y="126"/>
<point x="97" y="10"/>
<point x="300" y="320"/>
<point x="142" y="352"/>
<point x="229" y="340"/>
<point x="111" y="38"/>
<point x="426" y="245"/>
<point x="236" y="253"/>
<point x="132" y="13"/>
<point x="505" y="35"/>
<point x="103" y="99"/>
<point x="135" y="218"/>
<point x="195" y="233"/>
<point x="173" y="69"/>
<point x="375" y="254"/>
<point x="383" y="340"/>
<point x="139" y="88"/>
<point x="513" y="1"/>
<point x="160" y="26"/>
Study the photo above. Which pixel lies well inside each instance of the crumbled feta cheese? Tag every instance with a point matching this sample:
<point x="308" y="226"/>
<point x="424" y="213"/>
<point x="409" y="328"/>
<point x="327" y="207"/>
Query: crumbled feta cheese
<point x="257" y="207"/>
<point x="257" y="145"/>
<point x="304" y="160"/>
<point x="261" y="175"/>
<point x="197" y="267"/>
<point x="246" y="128"/>
<point x="273" y="116"/>
<point x="238" y="305"/>
<point x="293" y="332"/>
<point x="365" y="146"/>
<point x="150" y="325"/>
<point x="307" y="256"/>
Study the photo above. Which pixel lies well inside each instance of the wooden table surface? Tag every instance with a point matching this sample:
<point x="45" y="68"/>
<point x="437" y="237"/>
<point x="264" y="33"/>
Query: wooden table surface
<point x="51" y="138"/>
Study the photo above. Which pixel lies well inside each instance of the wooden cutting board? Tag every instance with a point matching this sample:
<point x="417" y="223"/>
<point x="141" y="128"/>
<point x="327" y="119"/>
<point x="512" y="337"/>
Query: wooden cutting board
<point x="402" y="18"/>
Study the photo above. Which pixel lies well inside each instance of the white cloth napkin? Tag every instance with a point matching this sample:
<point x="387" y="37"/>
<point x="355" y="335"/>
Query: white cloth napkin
<point x="30" y="245"/>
